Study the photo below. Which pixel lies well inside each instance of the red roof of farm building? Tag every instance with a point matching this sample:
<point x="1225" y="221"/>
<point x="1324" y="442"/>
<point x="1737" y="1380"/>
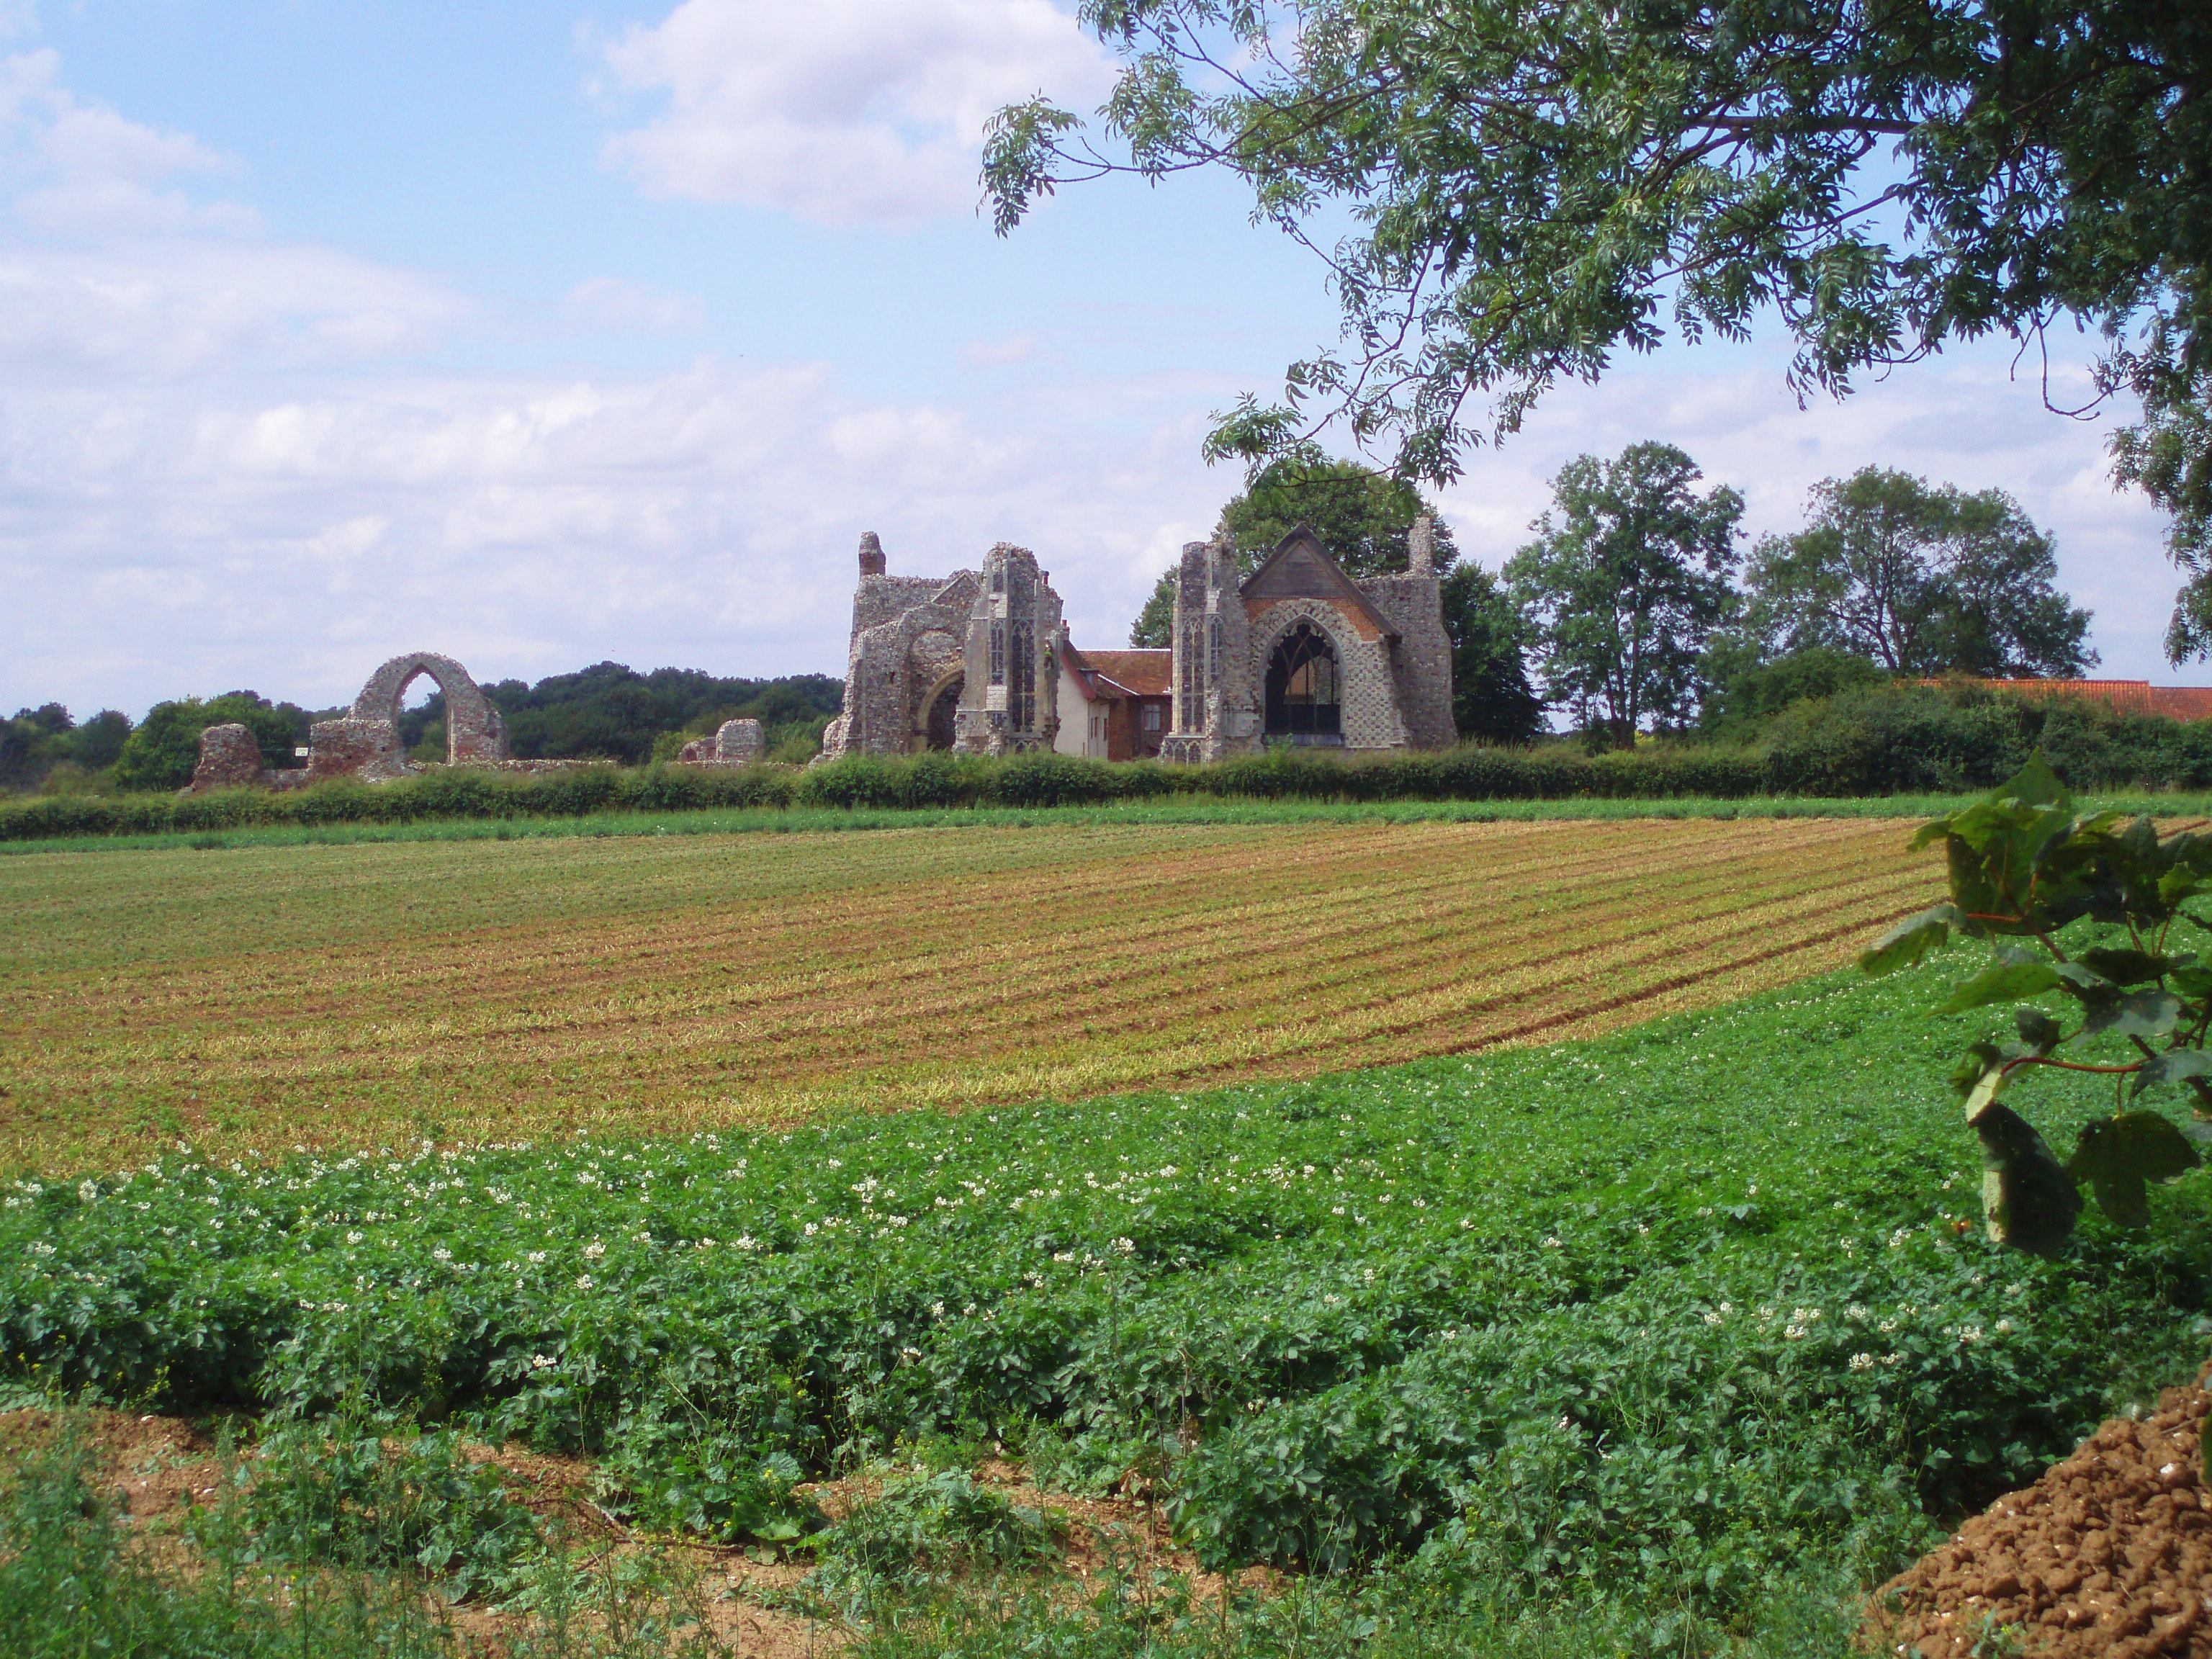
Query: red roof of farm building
<point x="1134" y="673"/>
<point x="2178" y="702"/>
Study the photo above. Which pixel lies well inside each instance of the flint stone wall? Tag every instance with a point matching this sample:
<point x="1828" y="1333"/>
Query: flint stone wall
<point x="229" y="756"/>
<point x="735" y="743"/>
<point x="364" y="742"/>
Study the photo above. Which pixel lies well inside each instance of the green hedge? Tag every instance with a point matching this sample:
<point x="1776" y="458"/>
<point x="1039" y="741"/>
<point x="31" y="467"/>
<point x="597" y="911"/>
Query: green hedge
<point x="1881" y="743"/>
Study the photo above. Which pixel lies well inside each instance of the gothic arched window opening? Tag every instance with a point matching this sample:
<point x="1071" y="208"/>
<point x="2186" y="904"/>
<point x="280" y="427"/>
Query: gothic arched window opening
<point x="1303" y="695"/>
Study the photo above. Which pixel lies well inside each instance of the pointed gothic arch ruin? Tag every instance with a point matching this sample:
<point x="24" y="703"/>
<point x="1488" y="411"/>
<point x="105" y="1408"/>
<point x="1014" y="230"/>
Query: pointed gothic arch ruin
<point x="364" y="743"/>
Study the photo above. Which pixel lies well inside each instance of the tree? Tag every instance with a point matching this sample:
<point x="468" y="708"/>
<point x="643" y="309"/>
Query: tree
<point x="1625" y="584"/>
<point x="96" y="743"/>
<point x="1533" y="185"/>
<point x="2170" y="456"/>
<point x="1924" y="580"/>
<point x="1490" y="696"/>
<point x="162" y="751"/>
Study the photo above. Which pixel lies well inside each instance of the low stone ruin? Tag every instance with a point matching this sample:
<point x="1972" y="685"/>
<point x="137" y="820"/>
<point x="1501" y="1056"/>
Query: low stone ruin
<point x="230" y="756"/>
<point x="364" y="743"/>
<point x="735" y="743"/>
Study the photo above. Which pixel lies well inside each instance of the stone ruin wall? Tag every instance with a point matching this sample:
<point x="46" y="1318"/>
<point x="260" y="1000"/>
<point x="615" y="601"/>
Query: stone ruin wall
<point x="364" y="742"/>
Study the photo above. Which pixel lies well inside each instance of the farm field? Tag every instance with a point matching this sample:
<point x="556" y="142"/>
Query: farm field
<point x="1674" y="1340"/>
<point x="488" y="990"/>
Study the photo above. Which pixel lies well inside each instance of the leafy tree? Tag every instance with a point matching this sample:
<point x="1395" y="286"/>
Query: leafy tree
<point x="96" y="743"/>
<point x="1491" y="695"/>
<point x="1624" y="583"/>
<point x="1922" y="579"/>
<point x="1747" y="686"/>
<point x="611" y="711"/>
<point x="31" y="742"/>
<point x="2170" y="455"/>
<point x="1533" y="185"/>
<point x="163" y="749"/>
<point x="2026" y="873"/>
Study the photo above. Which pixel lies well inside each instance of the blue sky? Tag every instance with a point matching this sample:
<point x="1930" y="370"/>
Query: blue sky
<point x="543" y="335"/>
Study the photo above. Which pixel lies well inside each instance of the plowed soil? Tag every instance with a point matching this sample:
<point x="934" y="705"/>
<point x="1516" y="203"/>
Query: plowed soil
<point x="2109" y="1556"/>
<point x="264" y="998"/>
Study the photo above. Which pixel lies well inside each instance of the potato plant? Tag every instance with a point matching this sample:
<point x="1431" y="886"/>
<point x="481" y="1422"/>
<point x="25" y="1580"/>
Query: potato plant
<point x="2091" y="910"/>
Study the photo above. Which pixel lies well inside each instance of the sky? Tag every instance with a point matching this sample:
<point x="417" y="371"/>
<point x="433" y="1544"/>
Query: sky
<point x="542" y="336"/>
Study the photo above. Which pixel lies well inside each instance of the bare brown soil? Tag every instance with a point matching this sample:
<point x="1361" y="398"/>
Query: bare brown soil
<point x="2109" y="1556"/>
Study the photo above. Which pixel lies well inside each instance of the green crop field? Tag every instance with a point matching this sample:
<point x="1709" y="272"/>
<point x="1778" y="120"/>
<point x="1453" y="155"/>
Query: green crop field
<point x="1514" y="1238"/>
<point x="1679" y="1335"/>
<point x="314" y="994"/>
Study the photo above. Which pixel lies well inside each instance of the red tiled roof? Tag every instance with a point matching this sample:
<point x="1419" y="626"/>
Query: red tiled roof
<point x="2179" y="702"/>
<point x="1139" y="673"/>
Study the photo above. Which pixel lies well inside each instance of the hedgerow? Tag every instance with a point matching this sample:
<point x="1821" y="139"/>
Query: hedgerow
<point x="1657" y="1320"/>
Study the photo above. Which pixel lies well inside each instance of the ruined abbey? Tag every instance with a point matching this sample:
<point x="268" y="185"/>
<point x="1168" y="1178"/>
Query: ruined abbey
<point x="980" y="662"/>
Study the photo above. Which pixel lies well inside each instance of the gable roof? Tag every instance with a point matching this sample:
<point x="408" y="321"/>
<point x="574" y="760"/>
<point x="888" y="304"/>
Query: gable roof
<point x="2179" y="702"/>
<point x="1130" y="673"/>
<point x="1301" y="568"/>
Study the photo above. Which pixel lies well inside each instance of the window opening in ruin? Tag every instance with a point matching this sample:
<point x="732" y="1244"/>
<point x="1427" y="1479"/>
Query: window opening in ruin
<point x="1214" y="650"/>
<point x="998" y="654"/>
<point x="1303" y="695"/>
<point x="1021" y="701"/>
<point x="1188" y="720"/>
<point x="943" y="723"/>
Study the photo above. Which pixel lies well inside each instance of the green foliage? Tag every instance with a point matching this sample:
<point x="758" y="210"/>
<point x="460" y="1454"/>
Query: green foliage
<point x="1924" y="580"/>
<point x="1624" y="585"/>
<point x="2100" y="900"/>
<point x="610" y="712"/>
<point x="161" y="753"/>
<point x="73" y="1583"/>
<point x="1510" y="193"/>
<point x="1748" y="686"/>
<point x="1487" y="1308"/>
<point x="919" y="1529"/>
<point x="1490" y="697"/>
<point x="358" y="1490"/>
<point x="1890" y="742"/>
<point x="1361" y="516"/>
<point x="671" y="1472"/>
<point x="37" y="741"/>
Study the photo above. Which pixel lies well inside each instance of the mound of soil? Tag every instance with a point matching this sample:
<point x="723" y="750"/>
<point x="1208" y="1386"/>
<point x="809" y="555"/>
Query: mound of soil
<point x="2109" y="1556"/>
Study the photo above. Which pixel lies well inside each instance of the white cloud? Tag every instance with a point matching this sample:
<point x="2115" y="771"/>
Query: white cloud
<point x="18" y="17"/>
<point x="842" y="111"/>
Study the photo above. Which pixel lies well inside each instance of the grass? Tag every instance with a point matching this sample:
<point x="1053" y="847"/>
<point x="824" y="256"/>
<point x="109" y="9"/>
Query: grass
<point x="314" y="995"/>
<point x="1178" y="810"/>
<point x="1672" y="1339"/>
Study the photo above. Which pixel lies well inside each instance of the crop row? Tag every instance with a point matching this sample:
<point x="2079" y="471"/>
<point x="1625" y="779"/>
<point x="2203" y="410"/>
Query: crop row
<point x="1118" y="964"/>
<point x="1664" y="1314"/>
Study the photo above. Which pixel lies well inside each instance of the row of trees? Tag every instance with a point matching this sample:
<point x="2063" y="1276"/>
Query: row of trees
<point x="1634" y="608"/>
<point x="605" y="712"/>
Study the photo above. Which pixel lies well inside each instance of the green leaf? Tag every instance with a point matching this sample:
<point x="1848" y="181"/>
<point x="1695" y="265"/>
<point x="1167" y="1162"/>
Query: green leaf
<point x="2143" y="1014"/>
<point x="1912" y="940"/>
<point x="2028" y="1201"/>
<point x="2125" y="966"/>
<point x="1978" y="1077"/>
<point x="2038" y="1030"/>
<point x="2003" y="982"/>
<point x="2173" y="1067"/>
<point x="2036" y="785"/>
<point x="2119" y="1157"/>
<point x="2192" y="976"/>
